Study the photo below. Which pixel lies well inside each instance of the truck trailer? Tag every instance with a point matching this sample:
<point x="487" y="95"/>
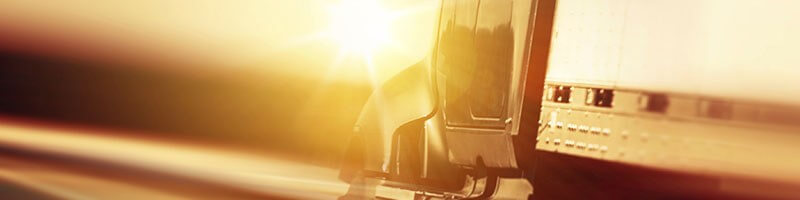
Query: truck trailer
<point x="610" y="99"/>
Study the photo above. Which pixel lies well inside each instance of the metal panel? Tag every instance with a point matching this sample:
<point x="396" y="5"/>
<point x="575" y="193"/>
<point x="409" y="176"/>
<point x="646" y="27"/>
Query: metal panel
<point x="740" y="49"/>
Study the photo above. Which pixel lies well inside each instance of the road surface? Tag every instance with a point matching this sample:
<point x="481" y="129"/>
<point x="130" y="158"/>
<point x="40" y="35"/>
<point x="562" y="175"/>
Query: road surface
<point x="42" y="162"/>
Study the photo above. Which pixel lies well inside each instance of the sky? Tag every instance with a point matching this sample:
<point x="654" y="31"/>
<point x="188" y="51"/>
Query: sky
<point x="253" y="71"/>
<point x="277" y="36"/>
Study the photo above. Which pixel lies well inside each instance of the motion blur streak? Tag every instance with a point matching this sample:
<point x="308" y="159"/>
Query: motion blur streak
<point x="55" y="182"/>
<point x="212" y="35"/>
<point x="285" y="77"/>
<point x="234" y="169"/>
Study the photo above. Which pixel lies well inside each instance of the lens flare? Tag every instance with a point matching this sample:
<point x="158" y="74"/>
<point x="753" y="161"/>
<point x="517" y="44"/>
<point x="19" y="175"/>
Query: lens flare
<point x="359" y="26"/>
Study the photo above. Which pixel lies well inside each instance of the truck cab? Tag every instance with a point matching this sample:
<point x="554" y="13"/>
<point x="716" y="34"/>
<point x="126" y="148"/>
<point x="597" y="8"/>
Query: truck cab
<point x="587" y="100"/>
<point x="457" y="117"/>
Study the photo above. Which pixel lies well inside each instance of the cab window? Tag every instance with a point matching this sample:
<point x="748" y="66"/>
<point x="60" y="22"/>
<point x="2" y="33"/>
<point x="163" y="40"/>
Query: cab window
<point x="476" y="48"/>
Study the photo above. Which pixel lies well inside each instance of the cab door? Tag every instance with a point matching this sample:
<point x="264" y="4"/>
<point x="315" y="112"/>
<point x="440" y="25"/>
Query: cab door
<point x="475" y="62"/>
<point x="478" y="51"/>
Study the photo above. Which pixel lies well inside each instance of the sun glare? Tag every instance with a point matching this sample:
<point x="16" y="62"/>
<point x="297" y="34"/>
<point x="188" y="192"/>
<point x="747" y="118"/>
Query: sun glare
<point x="359" y="26"/>
<point x="362" y="30"/>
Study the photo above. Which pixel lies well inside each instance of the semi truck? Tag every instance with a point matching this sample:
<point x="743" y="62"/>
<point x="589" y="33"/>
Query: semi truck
<point x="608" y="99"/>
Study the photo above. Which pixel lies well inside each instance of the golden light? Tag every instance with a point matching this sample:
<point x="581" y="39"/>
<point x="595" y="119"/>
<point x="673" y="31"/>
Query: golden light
<point x="372" y="39"/>
<point x="359" y="26"/>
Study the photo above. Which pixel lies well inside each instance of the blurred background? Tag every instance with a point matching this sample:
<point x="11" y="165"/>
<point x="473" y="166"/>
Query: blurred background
<point x="283" y="77"/>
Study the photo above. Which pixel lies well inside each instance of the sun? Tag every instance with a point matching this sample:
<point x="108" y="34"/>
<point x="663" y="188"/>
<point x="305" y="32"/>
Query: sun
<point x="359" y="26"/>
